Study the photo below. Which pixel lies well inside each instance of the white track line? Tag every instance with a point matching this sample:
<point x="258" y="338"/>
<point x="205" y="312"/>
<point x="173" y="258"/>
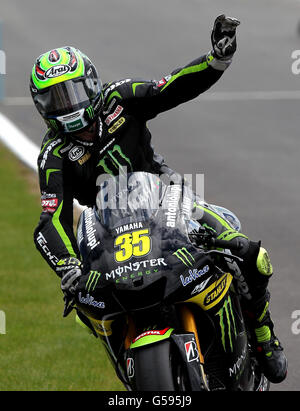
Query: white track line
<point x="23" y="148"/>
<point x="18" y="143"/>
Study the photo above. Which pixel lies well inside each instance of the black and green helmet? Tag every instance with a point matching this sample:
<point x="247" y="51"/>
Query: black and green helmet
<point x="66" y="89"/>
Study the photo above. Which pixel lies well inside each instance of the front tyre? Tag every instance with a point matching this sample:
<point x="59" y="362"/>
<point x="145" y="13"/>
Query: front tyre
<point x="158" y="368"/>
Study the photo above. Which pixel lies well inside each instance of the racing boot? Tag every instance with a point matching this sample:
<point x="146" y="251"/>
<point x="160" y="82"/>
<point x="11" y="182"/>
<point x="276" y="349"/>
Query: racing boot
<point x="269" y="351"/>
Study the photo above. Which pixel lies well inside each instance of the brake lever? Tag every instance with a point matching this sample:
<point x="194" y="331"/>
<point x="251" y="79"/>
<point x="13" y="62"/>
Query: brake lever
<point x="203" y="237"/>
<point x="225" y="255"/>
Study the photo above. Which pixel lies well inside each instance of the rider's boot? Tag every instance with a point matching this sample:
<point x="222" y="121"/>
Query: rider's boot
<point x="269" y="351"/>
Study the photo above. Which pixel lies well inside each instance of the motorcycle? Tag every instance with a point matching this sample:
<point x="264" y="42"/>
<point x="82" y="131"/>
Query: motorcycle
<point x="161" y="292"/>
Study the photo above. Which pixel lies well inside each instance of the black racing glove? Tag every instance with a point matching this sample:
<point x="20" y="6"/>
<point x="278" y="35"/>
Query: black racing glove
<point x="69" y="269"/>
<point x="223" y="37"/>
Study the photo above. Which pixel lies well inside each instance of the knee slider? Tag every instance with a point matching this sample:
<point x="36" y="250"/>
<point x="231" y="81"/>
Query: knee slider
<point x="263" y="262"/>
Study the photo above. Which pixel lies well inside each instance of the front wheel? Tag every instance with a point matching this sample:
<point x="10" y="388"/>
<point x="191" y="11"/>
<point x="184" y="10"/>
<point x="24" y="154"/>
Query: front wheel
<point x="158" y="368"/>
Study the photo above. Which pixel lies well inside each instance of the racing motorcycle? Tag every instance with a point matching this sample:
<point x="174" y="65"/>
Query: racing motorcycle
<point x="161" y="293"/>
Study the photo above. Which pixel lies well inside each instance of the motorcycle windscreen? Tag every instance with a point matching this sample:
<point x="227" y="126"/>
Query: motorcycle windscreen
<point x="142" y="197"/>
<point x="129" y="199"/>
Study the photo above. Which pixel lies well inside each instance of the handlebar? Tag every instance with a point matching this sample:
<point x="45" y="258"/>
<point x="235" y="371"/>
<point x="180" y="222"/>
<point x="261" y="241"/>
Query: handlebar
<point x="214" y="242"/>
<point x="207" y="239"/>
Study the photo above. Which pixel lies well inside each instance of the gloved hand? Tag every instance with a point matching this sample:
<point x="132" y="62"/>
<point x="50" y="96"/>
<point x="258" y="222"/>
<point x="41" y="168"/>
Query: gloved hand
<point x="223" y="37"/>
<point x="70" y="270"/>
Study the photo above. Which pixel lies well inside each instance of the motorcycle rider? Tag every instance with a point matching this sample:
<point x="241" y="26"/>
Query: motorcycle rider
<point x="96" y="129"/>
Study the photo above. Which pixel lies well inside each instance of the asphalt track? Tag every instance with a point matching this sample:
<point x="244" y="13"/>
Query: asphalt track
<point x="243" y="137"/>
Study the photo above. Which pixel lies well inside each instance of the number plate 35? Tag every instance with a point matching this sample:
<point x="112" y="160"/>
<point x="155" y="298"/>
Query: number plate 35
<point x="133" y="244"/>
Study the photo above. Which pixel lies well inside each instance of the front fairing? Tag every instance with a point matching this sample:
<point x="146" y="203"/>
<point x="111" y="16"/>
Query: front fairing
<point x="142" y="252"/>
<point x="136" y="259"/>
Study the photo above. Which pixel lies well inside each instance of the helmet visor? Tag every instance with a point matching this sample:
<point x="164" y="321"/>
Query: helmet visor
<point x="69" y="96"/>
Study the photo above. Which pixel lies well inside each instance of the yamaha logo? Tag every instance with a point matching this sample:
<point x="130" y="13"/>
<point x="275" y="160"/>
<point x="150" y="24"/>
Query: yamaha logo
<point x="57" y="71"/>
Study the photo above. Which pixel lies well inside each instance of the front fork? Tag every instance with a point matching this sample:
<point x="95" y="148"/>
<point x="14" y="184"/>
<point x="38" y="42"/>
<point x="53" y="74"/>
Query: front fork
<point x="189" y="325"/>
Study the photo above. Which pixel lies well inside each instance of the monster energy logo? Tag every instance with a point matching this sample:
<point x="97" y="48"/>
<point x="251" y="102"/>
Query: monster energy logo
<point x="226" y="316"/>
<point x="92" y="280"/>
<point x="90" y="112"/>
<point x="53" y="124"/>
<point x="185" y="256"/>
<point x="114" y="161"/>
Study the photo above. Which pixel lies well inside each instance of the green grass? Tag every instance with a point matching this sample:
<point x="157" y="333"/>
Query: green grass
<point x="40" y="350"/>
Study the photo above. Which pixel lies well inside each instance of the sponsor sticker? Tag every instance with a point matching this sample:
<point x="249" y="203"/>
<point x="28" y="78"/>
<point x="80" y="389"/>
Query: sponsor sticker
<point x="76" y="153"/>
<point x="173" y="196"/>
<point x="114" y="115"/>
<point x="57" y="70"/>
<point x="90" y="229"/>
<point x="84" y="159"/>
<point x="114" y="85"/>
<point x="116" y="125"/>
<point x="47" y="151"/>
<point x="74" y="125"/>
<point x="130" y="268"/>
<point x="193" y="275"/>
<point x="49" y="205"/>
<point x="89" y="300"/>
<point x="163" y="81"/>
<point x="191" y="351"/>
<point x="216" y="292"/>
<point x="151" y="332"/>
<point x="130" y="367"/>
<point x="43" y="245"/>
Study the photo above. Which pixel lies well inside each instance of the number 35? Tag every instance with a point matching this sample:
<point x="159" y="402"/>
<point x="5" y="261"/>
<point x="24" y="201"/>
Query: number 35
<point x="135" y="244"/>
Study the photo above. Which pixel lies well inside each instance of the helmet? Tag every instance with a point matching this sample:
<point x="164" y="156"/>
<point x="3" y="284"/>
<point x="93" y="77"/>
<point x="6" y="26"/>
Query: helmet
<point x="66" y="89"/>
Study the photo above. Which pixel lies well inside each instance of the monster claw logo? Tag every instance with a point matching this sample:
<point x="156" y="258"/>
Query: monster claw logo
<point x="90" y="112"/>
<point x="114" y="161"/>
<point x="227" y="320"/>
<point x="92" y="280"/>
<point x="185" y="256"/>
